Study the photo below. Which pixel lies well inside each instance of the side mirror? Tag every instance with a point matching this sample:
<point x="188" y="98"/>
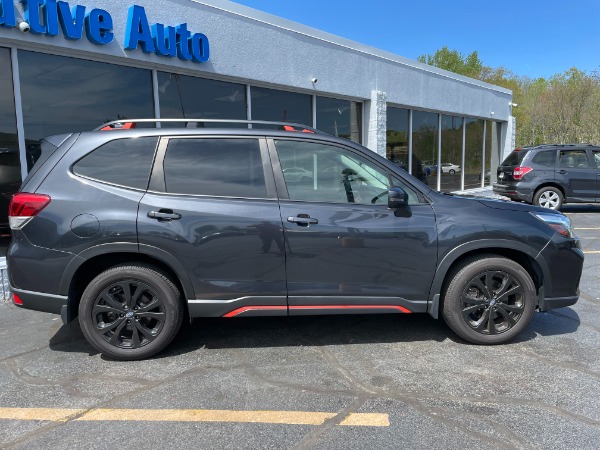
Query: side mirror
<point x="397" y="198"/>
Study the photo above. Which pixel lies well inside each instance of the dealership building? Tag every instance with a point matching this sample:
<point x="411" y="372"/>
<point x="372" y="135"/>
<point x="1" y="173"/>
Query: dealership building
<point x="69" y="66"/>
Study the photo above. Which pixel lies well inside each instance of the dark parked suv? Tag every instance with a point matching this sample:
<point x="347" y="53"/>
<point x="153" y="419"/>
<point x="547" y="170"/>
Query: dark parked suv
<point x="550" y="175"/>
<point x="134" y="229"/>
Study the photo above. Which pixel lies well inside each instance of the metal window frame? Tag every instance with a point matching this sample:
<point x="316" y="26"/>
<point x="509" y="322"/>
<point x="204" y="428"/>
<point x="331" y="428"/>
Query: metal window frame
<point x="19" y="111"/>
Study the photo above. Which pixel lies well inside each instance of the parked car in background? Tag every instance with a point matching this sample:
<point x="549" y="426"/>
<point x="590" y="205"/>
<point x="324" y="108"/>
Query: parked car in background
<point x="551" y="175"/>
<point x="450" y="168"/>
<point x="134" y="229"/>
<point x="298" y="175"/>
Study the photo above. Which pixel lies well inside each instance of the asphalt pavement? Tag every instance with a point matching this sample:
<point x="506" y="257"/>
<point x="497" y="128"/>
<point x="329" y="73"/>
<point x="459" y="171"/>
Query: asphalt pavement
<point x="330" y="382"/>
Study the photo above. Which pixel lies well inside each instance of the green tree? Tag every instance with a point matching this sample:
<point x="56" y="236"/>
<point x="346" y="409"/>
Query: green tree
<point x="454" y="61"/>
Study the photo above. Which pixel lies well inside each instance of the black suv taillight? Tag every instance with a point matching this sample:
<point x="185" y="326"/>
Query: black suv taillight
<point x="24" y="207"/>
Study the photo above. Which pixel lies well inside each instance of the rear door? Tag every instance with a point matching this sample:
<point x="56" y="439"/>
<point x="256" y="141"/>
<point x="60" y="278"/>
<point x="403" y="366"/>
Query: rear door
<point x="212" y="208"/>
<point x="346" y="250"/>
<point x="596" y="158"/>
<point x="577" y="174"/>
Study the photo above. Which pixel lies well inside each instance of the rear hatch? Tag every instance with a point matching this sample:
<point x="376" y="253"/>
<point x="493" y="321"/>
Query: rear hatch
<point x="507" y="168"/>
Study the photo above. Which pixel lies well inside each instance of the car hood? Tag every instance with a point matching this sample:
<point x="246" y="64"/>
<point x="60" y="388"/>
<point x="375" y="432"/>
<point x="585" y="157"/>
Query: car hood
<point x="505" y="205"/>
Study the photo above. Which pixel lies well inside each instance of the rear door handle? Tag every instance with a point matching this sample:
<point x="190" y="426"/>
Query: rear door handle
<point x="164" y="215"/>
<point x="303" y="219"/>
<point x="562" y="172"/>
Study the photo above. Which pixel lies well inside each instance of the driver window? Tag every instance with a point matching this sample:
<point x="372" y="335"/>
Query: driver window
<point x="325" y="173"/>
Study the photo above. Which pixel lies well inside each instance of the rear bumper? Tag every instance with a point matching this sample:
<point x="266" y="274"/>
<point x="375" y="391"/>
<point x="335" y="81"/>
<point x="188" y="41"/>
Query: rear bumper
<point x="513" y="192"/>
<point x="40" y="301"/>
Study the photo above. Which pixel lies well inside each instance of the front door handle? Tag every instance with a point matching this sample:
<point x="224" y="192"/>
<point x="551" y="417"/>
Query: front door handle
<point x="303" y="220"/>
<point x="562" y="172"/>
<point x="164" y="215"/>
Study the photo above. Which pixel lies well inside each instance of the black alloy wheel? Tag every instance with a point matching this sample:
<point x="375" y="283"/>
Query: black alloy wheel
<point x="493" y="302"/>
<point x="489" y="299"/>
<point x="130" y="312"/>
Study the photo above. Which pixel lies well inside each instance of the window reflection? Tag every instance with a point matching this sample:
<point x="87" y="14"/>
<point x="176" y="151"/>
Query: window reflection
<point x="396" y="148"/>
<point x="64" y="95"/>
<point x="182" y="96"/>
<point x="473" y="152"/>
<point x="342" y="118"/>
<point x="451" y="153"/>
<point x="425" y="136"/>
<point x="281" y="106"/>
<point x="10" y="164"/>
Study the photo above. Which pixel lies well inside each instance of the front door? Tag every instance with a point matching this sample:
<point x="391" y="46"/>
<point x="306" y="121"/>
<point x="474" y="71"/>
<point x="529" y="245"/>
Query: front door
<point x="346" y="250"/>
<point x="212" y="207"/>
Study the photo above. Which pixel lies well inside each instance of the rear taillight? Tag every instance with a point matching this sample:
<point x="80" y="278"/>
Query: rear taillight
<point x="520" y="171"/>
<point x="24" y="207"/>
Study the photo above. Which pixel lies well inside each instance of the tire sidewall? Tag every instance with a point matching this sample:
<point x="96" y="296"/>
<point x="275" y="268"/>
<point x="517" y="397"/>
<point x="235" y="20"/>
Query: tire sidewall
<point x="163" y="288"/>
<point x="452" y="306"/>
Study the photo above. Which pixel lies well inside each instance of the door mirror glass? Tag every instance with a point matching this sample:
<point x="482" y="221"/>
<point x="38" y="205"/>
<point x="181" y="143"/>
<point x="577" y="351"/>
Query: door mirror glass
<point x="397" y="198"/>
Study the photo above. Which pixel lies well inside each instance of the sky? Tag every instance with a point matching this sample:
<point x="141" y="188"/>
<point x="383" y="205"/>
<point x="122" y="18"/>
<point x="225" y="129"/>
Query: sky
<point x="531" y="38"/>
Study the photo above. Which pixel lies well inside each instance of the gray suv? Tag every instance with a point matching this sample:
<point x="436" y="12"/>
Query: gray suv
<point x="136" y="229"/>
<point x="551" y="175"/>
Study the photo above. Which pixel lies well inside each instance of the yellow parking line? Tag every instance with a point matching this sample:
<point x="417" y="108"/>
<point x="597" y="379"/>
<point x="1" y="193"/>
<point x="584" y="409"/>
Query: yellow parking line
<point x="596" y="228"/>
<point x="591" y="252"/>
<point x="193" y="415"/>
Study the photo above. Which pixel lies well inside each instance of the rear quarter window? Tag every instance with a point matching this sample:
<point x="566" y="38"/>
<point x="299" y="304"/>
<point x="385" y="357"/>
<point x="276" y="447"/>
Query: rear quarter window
<point x="125" y="162"/>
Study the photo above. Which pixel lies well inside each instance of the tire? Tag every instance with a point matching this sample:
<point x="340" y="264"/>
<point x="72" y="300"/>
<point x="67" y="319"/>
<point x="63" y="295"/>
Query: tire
<point x="139" y="324"/>
<point x="452" y="172"/>
<point x="467" y="307"/>
<point x="548" y="197"/>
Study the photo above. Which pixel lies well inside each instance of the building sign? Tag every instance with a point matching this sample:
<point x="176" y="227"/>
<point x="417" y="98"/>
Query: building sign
<point x="51" y="17"/>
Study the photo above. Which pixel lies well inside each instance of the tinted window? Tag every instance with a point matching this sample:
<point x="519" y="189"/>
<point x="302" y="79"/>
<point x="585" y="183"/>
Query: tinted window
<point x="324" y="173"/>
<point x="126" y="162"/>
<point x="221" y="167"/>
<point x="10" y="165"/>
<point x="514" y="159"/>
<point x="547" y="159"/>
<point x="573" y="159"/>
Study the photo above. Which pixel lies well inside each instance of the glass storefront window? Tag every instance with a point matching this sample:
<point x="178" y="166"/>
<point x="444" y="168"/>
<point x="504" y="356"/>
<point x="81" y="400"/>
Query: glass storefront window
<point x="492" y="150"/>
<point x="10" y="163"/>
<point x="64" y="95"/>
<point x="451" y="153"/>
<point x="281" y="106"/>
<point x="396" y="149"/>
<point x="425" y="147"/>
<point x="342" y="118"/>
<point x="473" y="153"/>
<point x="182" y="96"/>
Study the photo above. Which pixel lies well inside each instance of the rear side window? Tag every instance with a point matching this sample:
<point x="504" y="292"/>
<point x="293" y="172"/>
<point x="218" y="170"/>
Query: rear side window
<point x="126" y="162"/>
<point x="515" y="158"/>
<point x="218" y="167"/>
<point x="546" y="159"/>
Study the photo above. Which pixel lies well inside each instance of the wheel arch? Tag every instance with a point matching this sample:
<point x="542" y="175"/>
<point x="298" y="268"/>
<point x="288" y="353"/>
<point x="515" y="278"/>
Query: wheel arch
<point x="87" y="265"/>
<point x="553" y="184"/>
<point x="524" y="255"/>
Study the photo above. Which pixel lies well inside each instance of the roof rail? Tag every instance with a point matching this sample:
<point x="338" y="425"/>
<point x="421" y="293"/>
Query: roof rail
<point x="193" y="123"/>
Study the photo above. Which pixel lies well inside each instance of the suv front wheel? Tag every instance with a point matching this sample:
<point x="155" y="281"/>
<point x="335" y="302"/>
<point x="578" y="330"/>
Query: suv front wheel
<point x="489" y="300"/>
<point x="130" y="312"/>
<point x="548" y="197"/>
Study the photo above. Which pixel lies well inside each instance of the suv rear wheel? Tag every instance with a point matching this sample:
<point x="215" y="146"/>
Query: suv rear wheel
<point x="130" y="312"/>
<point x="548" y="197"/>
<point x="489" y="300"/>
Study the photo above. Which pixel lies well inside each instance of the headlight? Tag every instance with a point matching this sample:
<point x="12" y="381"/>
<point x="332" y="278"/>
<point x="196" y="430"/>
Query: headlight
<point x="558" y="222"/>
